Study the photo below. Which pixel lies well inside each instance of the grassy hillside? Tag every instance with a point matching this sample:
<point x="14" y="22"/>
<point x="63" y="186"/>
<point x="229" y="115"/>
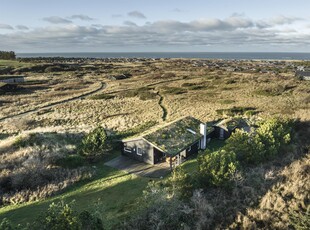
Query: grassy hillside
<point x="113" y="190"/>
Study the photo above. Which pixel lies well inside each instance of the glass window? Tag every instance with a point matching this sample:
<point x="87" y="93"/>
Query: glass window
<point x="127" y="149"/>
<point x="139" y="151"/>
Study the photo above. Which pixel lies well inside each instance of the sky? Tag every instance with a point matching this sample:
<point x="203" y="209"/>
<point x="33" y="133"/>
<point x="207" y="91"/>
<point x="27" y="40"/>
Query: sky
<point x="38" y="26"/>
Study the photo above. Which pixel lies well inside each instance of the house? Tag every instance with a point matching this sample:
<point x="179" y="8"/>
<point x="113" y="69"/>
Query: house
<point x="172" y="143"/>
<point x="224" y="128"/>
<point x="12" y="78"/>
<point x="303" y="75"/>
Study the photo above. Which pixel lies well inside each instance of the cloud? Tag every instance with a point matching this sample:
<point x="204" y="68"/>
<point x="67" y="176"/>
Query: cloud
<point x="136" y="14"/>
<point x="57" y="20"/>
<point x="6" y="27"/>
<point x="217" y="34"/>
<point x="21" y="27"/>
<point x="81" y="17"/>
<point x="129" y="23"/>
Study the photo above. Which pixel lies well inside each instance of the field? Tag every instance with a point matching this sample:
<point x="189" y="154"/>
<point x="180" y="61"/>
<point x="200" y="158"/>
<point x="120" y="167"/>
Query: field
<point x="42" y="123"/>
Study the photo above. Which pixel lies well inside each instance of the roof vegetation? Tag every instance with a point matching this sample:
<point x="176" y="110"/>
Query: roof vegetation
<point x="178" y="135"/>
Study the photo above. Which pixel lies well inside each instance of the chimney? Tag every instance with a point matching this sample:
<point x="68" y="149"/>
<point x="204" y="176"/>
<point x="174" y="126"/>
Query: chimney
<point x="203" y="131"/>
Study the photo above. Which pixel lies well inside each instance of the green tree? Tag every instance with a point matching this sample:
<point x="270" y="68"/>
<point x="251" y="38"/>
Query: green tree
<point x="59" y="216"/>
<point x="248" y="148"/>
<point x="217" y="168"/>
<point x="181" y="183"/>
<point x="274" y="134"/>
<point x="94" y="144"/>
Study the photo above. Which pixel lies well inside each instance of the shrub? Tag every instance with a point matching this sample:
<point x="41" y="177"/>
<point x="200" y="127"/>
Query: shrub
<point x="5" y="224"/>
<point x="61" y="216"/>
<point x="248" y="149"/>
<point x="58" y="216"/>
<point x="217" y="168"/>
<point x="266" y="142"/>
<point x="274" y="134"/>
<point x="181" y="183"/>
<point x="94" y="144"/>
<point x="102" y="97"/>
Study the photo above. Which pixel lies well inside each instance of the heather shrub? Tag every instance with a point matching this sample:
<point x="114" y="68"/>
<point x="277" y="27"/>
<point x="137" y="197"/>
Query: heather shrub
<point x="217" y="168"/>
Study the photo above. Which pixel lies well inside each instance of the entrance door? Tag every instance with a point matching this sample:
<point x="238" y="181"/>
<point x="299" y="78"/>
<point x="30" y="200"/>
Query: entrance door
<point x="221" y="134"/>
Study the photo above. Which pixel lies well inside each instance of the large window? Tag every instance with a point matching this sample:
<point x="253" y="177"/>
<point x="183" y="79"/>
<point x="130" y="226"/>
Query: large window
<point x="139" y="151"/>
<point x="127" y="149"/>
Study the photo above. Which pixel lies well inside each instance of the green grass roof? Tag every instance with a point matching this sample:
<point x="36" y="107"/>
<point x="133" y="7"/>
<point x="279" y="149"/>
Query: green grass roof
<point x="176" y="136"/>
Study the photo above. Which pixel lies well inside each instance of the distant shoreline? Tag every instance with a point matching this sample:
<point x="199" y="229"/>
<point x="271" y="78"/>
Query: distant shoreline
<point x="198" y="55"/>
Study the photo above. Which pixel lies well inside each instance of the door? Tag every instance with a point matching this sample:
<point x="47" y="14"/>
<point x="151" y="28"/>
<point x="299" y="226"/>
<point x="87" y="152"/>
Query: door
<point x="221" y="133"/>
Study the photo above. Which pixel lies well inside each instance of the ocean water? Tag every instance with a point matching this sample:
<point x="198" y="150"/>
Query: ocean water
<point x="204" y="55"/>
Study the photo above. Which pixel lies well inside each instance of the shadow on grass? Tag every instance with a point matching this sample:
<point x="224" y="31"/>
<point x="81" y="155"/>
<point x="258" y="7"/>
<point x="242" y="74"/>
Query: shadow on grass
<point x="116" y="194"/>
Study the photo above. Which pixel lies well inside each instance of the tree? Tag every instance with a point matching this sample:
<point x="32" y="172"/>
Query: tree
<point x="93" y="144"/>
<point x="181" y="183"/>
<point x="7" y="55"/>
<point x="59" y="216"/>
<point x="217" y="168"/>
<point x="248" y="148"/>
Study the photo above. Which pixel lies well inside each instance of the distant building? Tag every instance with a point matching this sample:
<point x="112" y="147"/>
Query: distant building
<point x="303" y="75"/>
<point x="11" y="79"/>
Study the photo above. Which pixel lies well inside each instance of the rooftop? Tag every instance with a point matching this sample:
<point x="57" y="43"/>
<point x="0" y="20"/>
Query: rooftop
<point x="176" y="136"/>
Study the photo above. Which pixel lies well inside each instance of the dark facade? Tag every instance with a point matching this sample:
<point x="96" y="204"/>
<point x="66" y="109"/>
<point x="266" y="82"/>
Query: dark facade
<point x="140" y="150"/>
<point x="221" y="133"/>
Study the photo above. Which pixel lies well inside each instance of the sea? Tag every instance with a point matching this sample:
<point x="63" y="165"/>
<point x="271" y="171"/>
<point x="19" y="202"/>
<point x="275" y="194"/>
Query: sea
<point x="201" y="55"/>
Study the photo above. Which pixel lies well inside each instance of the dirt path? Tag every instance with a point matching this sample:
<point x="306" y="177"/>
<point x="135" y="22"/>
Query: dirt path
<point x="160" y="103"/>
<point x="101" y="87"/>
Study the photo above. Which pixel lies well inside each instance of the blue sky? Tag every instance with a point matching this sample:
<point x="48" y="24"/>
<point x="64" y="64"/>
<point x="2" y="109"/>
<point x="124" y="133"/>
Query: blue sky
<point x="141" y="25"/>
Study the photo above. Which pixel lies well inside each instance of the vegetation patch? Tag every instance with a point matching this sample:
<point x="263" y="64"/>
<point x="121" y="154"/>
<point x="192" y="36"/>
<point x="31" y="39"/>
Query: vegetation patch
<point x="274" y="90"/>
<point x="102" y="97"/>
<point x="144" y="93"/>
<point x="237" y="111"/>
<point x="174" y="90"/>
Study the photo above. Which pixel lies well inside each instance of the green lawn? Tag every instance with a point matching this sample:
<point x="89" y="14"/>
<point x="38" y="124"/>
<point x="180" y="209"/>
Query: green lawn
<point x="114" y="190"/>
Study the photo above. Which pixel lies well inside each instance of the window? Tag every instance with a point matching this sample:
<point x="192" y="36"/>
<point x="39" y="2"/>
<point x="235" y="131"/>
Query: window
<point x="127" y="149"/>
<point x="139" y="151"/>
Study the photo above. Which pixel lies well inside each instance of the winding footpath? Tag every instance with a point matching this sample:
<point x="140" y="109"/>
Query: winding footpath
<point x="102" y="86"/>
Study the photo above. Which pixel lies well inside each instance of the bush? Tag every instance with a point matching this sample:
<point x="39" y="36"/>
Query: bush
<point x="248" y="149"/>
<point x="102" y="97"/>
<point x="61" y="216"/>
<point x="265" y="143"/>
<point x="57" y="217"/>
<point x="181" y="183"/>
<point x="217" y="168"/>
<point x="5" y="224"/>
<point x="94" y="144"/>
